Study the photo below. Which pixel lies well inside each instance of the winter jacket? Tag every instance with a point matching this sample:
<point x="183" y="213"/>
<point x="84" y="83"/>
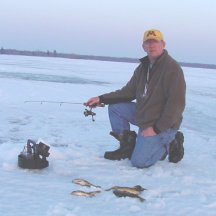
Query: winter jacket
<point x="164" y="103"/>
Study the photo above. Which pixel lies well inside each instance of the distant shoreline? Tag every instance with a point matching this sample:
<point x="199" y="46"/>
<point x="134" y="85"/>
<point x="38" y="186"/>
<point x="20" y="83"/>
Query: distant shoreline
<point x="92" y="57"/>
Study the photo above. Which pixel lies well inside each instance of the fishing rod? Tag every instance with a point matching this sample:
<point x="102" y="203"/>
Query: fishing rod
<point x="87" y="112"/>
<point x="58" y="102"/>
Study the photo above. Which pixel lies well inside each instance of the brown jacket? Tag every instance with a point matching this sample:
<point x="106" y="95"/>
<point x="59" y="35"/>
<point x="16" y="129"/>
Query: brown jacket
<point x="164" y="103"/>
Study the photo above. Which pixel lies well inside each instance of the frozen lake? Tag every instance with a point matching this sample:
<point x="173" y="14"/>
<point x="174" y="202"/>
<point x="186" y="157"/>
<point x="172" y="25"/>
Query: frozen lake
<point x="78" y="144"/>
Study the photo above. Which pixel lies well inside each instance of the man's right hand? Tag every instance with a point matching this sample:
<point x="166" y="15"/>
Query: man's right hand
<point x="93" y="102"/>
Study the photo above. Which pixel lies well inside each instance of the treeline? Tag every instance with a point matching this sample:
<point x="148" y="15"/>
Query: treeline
<point x="64" y="55"/>
<point x="54" y="53"/>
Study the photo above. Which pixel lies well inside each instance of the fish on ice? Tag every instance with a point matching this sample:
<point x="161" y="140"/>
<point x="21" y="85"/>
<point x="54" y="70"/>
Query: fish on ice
<point x="83" y="182"/>
<point x="84" y="193"/>
<point x="134" y="190"/>
<point x="126" y="193"/>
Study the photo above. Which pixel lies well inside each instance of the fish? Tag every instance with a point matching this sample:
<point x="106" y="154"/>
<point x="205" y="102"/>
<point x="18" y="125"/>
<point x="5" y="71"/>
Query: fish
<point x="124" y="193"/>
<point x="134" y="190"/>
<point x="84" y="194"/>
<point x="83" y="182"/>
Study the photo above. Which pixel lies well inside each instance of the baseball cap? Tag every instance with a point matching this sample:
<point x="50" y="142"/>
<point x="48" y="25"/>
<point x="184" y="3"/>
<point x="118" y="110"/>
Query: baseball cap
<point x="153" y="34"/>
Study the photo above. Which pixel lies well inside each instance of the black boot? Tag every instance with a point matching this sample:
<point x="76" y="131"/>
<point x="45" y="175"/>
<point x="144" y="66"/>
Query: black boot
<point x="127" y="143"/>
<point x="176" y="150"/>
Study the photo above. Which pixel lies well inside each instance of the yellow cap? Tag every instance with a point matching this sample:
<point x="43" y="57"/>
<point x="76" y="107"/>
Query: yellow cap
<point x="153" y="34"/>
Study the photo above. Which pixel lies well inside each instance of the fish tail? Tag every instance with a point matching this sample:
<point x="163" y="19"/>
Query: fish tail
<point x="108" y="189"/>
<point x="141" y="199"/>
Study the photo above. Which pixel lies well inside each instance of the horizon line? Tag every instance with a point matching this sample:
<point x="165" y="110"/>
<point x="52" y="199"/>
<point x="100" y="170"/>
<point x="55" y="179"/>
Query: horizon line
<point x="54" y="53"/>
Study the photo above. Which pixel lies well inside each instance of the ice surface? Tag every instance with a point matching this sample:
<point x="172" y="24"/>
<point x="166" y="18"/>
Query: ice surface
<point x="78" y="144"/>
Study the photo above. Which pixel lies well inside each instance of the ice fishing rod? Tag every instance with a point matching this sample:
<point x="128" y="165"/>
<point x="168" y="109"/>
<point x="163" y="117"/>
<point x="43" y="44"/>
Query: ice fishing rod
<point x="87" y="112"/>
<point x="57" y="102"/>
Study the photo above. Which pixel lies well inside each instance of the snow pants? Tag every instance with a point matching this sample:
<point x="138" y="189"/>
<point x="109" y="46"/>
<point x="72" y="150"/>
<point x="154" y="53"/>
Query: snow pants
<point x="148" y="150"/>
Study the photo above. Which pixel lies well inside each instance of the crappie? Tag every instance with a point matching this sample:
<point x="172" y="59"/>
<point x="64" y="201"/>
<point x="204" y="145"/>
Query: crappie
<point x="83" y="182"/>
<point x="125" y="193"/>
<point x="134" y="190"/>
<point x="84" y="194"/>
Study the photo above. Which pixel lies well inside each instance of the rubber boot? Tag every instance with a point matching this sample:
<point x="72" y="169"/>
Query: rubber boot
<point x="176" y="150"/>
<point x="127" y="143"/>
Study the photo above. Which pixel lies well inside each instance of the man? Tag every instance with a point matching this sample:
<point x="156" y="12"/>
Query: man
<point x="158" y="86"/>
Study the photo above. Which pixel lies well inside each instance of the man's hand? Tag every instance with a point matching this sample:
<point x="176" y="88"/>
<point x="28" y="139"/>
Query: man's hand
<point x="148" y="132"/>
<point x="93" y="102"/>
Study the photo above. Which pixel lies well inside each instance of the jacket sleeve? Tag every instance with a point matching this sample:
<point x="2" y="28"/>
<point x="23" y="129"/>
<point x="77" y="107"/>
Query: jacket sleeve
<point x="175" y="101"/>
<point x="125" y="94"/>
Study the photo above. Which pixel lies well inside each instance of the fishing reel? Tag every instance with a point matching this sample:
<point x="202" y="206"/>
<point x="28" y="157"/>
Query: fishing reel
<point x="34" y="155"/>
<point x="89" y="112"/>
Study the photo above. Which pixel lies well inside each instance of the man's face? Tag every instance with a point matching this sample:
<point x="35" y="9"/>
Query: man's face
<point x="153" y="48"/>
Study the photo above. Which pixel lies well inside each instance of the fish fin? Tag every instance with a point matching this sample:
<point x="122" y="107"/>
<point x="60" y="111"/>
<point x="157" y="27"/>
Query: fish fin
<point x="140" y="188"/>
<point x="96" y="186"/>
<point x="141" y="199"/>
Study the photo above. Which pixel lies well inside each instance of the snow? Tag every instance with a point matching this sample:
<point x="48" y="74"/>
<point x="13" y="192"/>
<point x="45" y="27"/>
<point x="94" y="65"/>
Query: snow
<point x="77" y="144"/>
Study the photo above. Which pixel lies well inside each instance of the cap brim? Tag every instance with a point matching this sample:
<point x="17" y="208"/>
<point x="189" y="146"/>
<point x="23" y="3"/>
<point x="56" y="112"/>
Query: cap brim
<point x="152" y="38"/>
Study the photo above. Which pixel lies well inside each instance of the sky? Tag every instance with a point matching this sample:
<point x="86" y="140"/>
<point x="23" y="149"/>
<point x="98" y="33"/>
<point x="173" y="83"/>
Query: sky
<point x="110" y="28"/>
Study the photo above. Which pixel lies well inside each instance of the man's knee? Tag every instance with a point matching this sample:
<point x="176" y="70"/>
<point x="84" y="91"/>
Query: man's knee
<point x="113" y="108"/>
<point x="116" y="106"/>
<point x="141" y="162"/>
<point x="145" y="159"/>
<point x="110" y="107"/>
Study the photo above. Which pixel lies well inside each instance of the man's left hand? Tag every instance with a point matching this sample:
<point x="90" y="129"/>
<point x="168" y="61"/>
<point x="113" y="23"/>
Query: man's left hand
<point x="148" y="132"/>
